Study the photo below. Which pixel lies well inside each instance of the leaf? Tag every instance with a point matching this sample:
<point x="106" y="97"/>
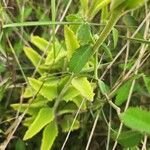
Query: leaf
<point x="84" y="87"/>
<point x="116" y="3"/>
<point x="66" y="108"/>
<point x="67" y="122"/>
<point x="29" y="92"/>
<point x="122" y="93"/>
<point x="79" y="58"/>
<point x="32" y="110"/>
<point x="41" y="43"/>
<point x="71" y="41"/>
<point x="28" y="121"/>
<point x="137" y="119"/>
<point x="78" y="100"/>
<point x="49" y="135"/>
<point x="70" y="94"/>
<point x="127" y="4"/>
<point x="115" y="36"/>
<point x="34" y="57"/>
<point x="47" y="90"/>
<point x="84" y="5"/>
<point x="74" y="18"/>
<point x="129" y="138"/>
<point x="103" y="87"/>
<point x="59" y="52"/>
<point x="107" y="51"/>
<point x="84" y="34"/>
<point x="96" y="6"/>
<point x="20" y="145"/>
<point x="45" y="116"/>
<point x="147" y="83"/>
<point x="133" y="4"/>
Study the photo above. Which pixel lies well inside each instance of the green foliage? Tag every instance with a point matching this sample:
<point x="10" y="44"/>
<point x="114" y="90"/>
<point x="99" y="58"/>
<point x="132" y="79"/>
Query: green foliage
<point x="80" y="58"/>
<point x="32" y="55"/>
<point x="67" y="122"/>
<point x="129" y="138"/>
<point x="137" y="119"/>
<point x="41" y="43"/>
<point x="123" y="93"/>
<point x="49" y="135"/>
<point x="71" y="41"/>
<point x="84" y="87"/>
<point x="103" y="87"/>
<point x="84" y="34"/>
<point x="126" y="4"/>
<point x="115" y="36"/>
<point x="147" y="83"/>
<point x="45" y="116"/>
<point x="82" y="65"/>
<point x="49" y="91"/>
<point x="20" y="145"/>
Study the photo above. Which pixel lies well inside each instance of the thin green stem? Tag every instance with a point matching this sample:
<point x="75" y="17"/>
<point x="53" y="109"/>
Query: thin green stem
<point x="112" y="21"/>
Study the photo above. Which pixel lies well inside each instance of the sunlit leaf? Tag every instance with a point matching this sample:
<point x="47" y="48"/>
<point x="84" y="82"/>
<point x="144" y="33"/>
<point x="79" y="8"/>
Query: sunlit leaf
<point x="66" y="123"/>
<point x="41" y="43"/>
<point x="80" y="58"/>
<point x="137" y="119"/>
<point x="84" y="87"/>
<point x="49" y="135"/>
<point x="45" y="116"/>
<point x="34" y="57"/>
<point x="47" y="90"/>
<point x="71" y="41"/>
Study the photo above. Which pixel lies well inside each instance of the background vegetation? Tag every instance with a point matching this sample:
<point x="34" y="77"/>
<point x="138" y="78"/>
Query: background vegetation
<point x="74" y="74"/>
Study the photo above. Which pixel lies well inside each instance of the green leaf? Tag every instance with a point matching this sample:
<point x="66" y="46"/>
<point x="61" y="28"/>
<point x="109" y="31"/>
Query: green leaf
<point x="84" y="87"/>
<point x="78" y="100"/>
<point x="137" y="119"/>
<point x="127" y="4"/>
<point x="71" y="41"/>
<point x="41" y="43"/>
<point x="29" y="92"/>
<point x="45" y="116"/>
<point x="96" y="6"/>
<point x="147" y="83"/>
<point x="49" y="135"/>
<point x="67" y="122"/>
<point x="59" y="52"/>
<point x="115" y="36"/>
<point x="84" y="34"/>
<point x="66" y="108"/>
<point x="128" y="138"/>
<point x="70" y="94"/>
<point x="32" y="55"/>
<point x="116" y="3"/>
<point x="103" y="87"/>
<point x="47" y="90"/>
<point x="122" y="93"/>
<point x="84" y="5"/>
<point x="32" y="110"/>
<point x="74" y="18"/>
<point x="133" y="4"/>
<point x="79" y="58"/>
<point x="107" y="51"/>
<point x="20" y="145"/>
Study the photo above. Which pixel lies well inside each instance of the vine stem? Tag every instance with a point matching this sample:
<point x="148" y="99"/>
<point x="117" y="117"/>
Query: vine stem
<point x="106" y="31"/>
